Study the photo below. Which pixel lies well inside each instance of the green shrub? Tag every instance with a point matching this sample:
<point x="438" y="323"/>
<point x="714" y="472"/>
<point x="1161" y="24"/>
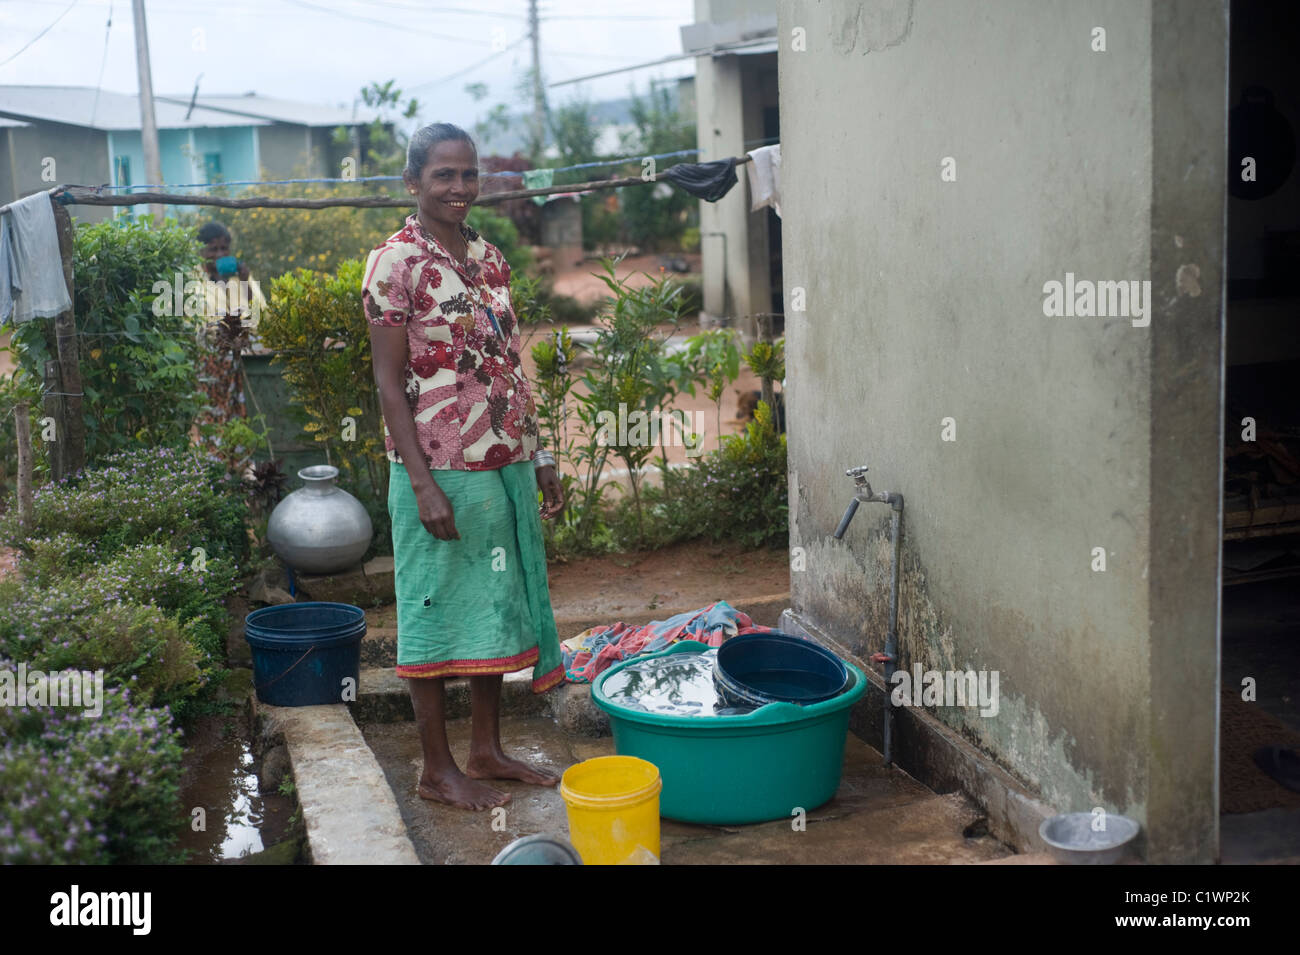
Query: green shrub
<point x="68" y="625"/>
<point x="85" y="789"/>
<point x="322" y="341"/>
<point x="157" y="495"/>
<point x="739" y="493"/>
<point x="138" y="369"/>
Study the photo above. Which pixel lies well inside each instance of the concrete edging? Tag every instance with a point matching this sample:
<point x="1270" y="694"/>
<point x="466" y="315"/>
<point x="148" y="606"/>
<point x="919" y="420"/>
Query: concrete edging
<point x="348" y="809"/>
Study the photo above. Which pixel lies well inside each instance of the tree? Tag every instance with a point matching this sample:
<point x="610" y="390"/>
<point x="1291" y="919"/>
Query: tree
<point x="385" y="153"/>
<point x="651" y="215"/>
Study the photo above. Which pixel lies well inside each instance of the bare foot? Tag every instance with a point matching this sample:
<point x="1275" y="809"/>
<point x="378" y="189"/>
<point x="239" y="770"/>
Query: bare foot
<point x="461" y="791"/>
<point x="501" y="766"/>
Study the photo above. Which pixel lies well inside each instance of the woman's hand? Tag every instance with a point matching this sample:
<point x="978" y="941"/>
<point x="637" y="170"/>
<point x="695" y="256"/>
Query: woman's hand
<point x="552" y="492"/>
<point x="435" y="512"/>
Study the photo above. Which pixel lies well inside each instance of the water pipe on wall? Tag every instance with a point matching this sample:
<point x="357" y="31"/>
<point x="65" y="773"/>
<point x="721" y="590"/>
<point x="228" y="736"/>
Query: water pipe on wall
<point x="889" y="658"/>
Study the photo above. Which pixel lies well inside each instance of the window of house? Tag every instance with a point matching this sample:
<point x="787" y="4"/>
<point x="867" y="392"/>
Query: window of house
<point x="121" y="170"/>
<point x="212" y="166"/>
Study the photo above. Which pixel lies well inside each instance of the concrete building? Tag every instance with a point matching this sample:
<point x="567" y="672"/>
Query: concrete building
<point x="735" y="50"/>
<point x="943" y="163"/>
<point x="84" y="136"/>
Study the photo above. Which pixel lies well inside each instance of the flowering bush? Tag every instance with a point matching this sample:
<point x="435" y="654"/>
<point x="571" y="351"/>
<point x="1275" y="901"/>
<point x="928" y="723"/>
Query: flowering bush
<point x="67" y="626"/>
<point x="125" y="570"/>
<point x="89" y="790"/>
<point x="158" y="495"/>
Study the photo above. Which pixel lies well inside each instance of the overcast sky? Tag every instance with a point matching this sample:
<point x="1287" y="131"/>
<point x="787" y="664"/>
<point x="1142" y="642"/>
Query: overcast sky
<point x="326" y="50"/>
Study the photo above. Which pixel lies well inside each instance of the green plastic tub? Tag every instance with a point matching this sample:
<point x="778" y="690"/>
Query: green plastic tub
<point x="738" y="769"/>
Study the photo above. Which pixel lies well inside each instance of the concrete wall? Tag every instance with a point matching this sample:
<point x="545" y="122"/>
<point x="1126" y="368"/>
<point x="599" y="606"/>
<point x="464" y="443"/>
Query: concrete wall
<point x="730" y="93"/>
<point x="925" y="302"/>
<point x="80" y="155"/>
<point x="284" y="150"/>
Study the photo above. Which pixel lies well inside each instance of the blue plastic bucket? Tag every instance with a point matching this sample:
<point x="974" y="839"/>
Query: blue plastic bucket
<point x="758" y="668"/>
<point x="303" y="654"/>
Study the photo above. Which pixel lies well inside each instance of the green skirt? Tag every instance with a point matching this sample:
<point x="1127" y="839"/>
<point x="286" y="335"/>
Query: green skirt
<point x="481" y="604"/>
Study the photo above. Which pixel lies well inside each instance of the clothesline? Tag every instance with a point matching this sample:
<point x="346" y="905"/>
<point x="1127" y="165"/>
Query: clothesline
<point x="93" y="196"/>
<point x="355" y="179"/>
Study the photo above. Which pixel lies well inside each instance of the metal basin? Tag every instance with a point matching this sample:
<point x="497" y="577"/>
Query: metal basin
<point x="1072" y="839"/>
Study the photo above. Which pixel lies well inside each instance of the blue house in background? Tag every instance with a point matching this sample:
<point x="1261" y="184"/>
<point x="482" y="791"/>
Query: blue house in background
<point x="84" y="136"/>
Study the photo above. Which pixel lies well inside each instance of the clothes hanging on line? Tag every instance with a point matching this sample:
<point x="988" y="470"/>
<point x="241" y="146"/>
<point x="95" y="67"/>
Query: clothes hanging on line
<point x="709" y="181"/>
<point x="539" y="179"/>
<point x="9" y="284"/>
<point x="35" y="266"/>
<point x="765" y="178"/>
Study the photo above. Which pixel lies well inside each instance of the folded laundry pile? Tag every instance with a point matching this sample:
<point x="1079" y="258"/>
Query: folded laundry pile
<point x="595" y="650"/>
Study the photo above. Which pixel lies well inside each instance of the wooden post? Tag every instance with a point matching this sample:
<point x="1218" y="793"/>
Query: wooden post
<point x="72" y="426"/>
<point x="765" y="335"/>
<point x="53" y="408"/>
<point x="23" y="431"/>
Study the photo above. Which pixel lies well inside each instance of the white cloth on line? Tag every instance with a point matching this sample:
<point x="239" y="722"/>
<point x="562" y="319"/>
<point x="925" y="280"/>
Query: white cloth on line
<point x="35" y="259"/>
<point x="9" y="285"/>
<point x="765" y="177"/>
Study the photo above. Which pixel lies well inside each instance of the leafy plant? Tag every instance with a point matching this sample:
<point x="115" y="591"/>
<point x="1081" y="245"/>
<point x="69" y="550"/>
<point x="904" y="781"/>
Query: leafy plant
<point x="138" y="357"/>
<point x="319" y="333"/>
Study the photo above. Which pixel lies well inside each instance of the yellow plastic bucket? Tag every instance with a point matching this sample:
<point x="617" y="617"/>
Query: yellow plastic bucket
<point x="613" y="806"/>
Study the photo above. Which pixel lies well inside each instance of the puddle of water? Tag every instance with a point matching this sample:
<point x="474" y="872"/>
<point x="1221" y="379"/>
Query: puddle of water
<point x="222" y="781"/>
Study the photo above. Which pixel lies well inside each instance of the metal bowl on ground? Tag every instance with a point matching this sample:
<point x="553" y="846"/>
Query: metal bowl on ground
<point x="540" y="849"/>
<point x="1072" y="838"/>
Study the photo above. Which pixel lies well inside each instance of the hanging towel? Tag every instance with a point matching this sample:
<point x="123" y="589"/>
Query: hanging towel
<point x="709" y="181"/>
<point x="9" y="284"/>
<point x="765" y="178"/>
<point x="35" y="259"/>
<point x="539" y="179"/>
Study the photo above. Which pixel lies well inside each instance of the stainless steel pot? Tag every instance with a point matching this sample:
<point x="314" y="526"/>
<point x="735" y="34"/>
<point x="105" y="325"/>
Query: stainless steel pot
<point x="319" y="528"/>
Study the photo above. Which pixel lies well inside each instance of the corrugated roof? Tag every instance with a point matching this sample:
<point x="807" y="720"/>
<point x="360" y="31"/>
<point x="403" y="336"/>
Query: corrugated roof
<point x="280" y="110"/>
<point x="106" y="110"/>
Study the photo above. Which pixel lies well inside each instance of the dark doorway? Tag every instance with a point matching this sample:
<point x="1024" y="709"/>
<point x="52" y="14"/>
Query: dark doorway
<point x="1260" y="635"/>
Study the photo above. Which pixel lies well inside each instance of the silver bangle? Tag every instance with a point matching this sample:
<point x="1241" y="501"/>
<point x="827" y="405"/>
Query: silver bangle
<point x="543" y="459"/>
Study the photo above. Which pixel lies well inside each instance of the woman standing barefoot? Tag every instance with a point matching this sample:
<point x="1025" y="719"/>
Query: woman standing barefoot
<point x="461" y="433"/>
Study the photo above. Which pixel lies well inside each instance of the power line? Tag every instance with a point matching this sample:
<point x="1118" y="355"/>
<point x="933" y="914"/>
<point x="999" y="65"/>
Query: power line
<point x="41" y="34"/>
<point x="470" y="68"/>
<point x="609" y="16"/>
<point x="464" y="10"/>
<point x="356" y="18"/>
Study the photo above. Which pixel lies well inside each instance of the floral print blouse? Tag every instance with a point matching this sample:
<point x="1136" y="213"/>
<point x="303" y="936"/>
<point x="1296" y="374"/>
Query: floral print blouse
<point x="465" y="384"/>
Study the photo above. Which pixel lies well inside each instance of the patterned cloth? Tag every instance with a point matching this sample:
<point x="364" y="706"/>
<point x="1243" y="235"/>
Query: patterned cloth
<point x="465" y="383"/>
<point x="221" y="345"/>
<point x="480" y="604"/>
<point x="594" y="651"/>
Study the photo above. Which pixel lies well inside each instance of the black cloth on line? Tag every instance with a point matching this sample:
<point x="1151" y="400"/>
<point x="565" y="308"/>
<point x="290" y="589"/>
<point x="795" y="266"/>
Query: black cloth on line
<point x="705" y="180"/>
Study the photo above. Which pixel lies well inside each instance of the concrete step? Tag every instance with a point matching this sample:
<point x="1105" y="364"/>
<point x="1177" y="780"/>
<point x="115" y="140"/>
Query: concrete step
<point x="379" y="647"/>
<point x="384" y="697"/>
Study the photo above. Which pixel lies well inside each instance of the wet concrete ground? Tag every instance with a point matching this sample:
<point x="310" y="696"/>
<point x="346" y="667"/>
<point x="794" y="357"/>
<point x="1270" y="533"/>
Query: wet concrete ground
<point x="879" y="816"/>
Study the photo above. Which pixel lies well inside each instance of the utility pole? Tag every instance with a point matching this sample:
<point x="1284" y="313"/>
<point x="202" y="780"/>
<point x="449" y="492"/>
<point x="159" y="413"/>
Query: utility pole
<point x="539" y="104"/>
<point x="148" y="124"/>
